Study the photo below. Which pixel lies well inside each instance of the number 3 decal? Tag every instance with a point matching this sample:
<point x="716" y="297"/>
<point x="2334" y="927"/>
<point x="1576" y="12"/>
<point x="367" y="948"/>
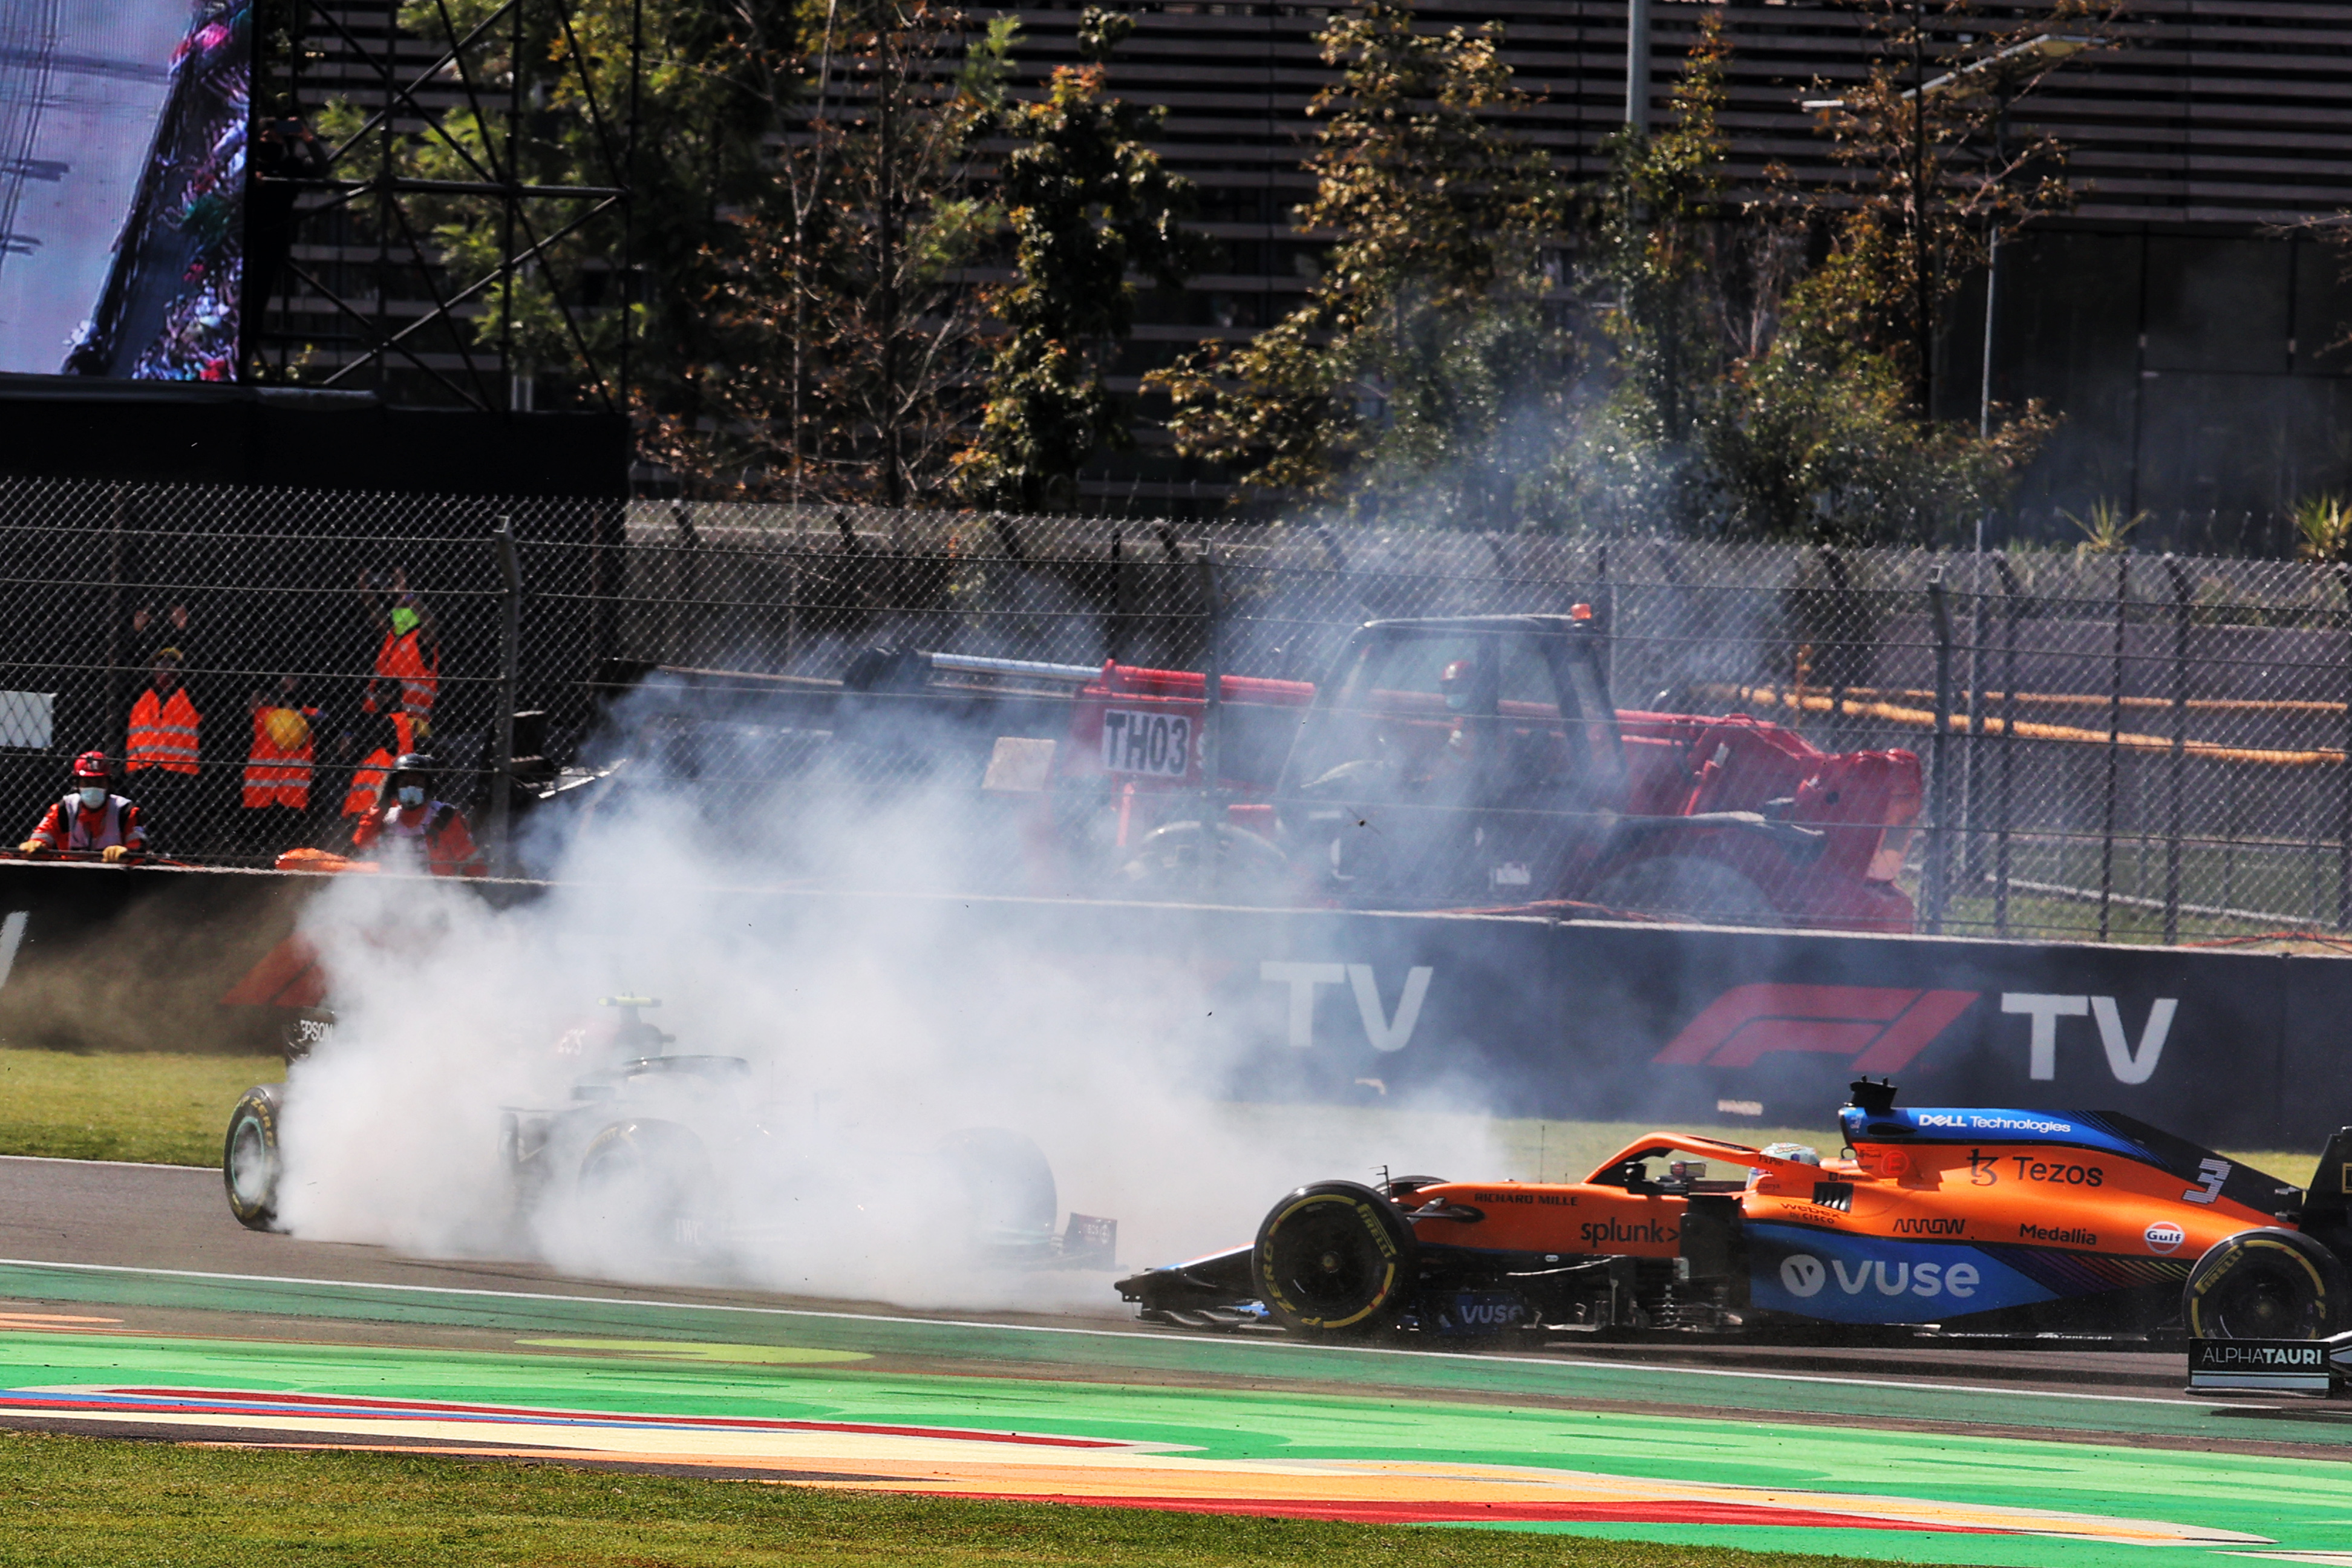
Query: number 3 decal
<point x="2213" y="1173"/>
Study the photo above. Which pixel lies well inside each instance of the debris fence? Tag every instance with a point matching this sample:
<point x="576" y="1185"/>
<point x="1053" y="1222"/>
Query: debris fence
<point x="2120" y="747"/>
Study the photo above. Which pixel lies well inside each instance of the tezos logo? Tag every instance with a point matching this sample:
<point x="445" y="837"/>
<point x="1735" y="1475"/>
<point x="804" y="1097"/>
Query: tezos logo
<point x="1802" y="1275"/>
<point x="2164" y="1237"/>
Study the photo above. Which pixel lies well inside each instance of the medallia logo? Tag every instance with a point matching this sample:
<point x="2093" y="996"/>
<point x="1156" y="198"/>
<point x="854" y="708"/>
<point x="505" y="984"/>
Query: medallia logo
<point x="2164" y="1237"/>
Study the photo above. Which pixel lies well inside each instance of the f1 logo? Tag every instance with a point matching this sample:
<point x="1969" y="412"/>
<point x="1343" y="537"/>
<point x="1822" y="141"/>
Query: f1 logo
<point x="1881" y="1027"/>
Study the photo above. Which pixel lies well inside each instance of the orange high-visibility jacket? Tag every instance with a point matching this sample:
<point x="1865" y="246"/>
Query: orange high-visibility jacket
<point x="274" y="775"/>
<point x="367" y="779"/>
<point x="401" y="659"/>
<point x="163" y="734"/>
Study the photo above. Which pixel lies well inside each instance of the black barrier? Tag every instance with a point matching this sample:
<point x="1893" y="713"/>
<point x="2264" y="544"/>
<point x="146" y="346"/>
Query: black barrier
<point x="1509" y="1014"/>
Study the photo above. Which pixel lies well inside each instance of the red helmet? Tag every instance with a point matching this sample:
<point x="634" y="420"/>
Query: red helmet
<point x="91" y="765"/>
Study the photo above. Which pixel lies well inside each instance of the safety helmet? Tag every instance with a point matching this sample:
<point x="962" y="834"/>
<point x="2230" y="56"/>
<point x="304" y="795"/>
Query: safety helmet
<point x="413" y="763"/>
<point x="1454" y="683"/>
<point x="91" y="765"/>
<point x="288" y="731"/>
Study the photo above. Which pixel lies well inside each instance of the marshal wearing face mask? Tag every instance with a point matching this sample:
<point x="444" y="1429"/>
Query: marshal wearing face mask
<point x="406" y="816"/>
<point x="93" y="819"/>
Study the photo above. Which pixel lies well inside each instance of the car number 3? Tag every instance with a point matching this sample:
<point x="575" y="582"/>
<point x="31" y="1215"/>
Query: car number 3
<point x="2213" y="1173"/>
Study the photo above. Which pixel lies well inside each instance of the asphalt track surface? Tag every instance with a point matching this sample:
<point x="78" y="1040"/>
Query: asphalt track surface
<point x="131" y="1304"/>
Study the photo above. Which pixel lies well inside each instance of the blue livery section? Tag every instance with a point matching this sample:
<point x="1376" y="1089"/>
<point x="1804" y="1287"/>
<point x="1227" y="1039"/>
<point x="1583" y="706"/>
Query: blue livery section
<point x="1978" y="1125"/>
<point x="1870" y="1280"/>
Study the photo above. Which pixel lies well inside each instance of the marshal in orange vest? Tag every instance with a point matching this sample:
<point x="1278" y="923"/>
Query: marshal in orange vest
<point x="277" y="769"/>
<point x="162" y="733"/>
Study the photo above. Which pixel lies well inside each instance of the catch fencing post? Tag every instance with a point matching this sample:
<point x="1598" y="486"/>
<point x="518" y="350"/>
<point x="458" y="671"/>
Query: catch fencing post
<point x="1604" y="606"/>
<point x="2344" y="773"/>
<point x="1834" y="649"/>
<point x="2009" y="603"/>
<point x="2179" y="747"/>
<point x="2115" y="750"/>
<point x="1116" y="643"/>
<point x="1936" y="873"/>
<point x="509" y="675"/>
<point x="1211" y="719"/>
<point x="1972" y="769"/>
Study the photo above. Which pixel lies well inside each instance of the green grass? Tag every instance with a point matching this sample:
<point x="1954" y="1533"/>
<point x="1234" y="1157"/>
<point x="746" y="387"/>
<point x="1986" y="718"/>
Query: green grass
<point x="1529" y="1150"/>
<point x="155" y="1109"/>
<point x="159" y="1109"/>
<point x="74" y="1500"/>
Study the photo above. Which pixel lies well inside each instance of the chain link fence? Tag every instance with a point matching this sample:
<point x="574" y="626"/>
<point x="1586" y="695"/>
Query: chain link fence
<point x="2122" y="747"/>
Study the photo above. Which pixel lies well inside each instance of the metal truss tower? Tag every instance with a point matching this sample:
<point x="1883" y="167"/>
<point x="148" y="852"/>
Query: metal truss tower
<point x="432" y="224"/>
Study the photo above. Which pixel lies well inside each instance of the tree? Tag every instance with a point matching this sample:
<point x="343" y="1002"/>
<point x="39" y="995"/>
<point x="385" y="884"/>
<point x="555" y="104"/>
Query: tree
<point x="1751" y="395"/>
<point x="1423" y="347"/>
<point x="1089" y="203"/>
<point x="1937" y="175"/>
<point x="848" y="274"/>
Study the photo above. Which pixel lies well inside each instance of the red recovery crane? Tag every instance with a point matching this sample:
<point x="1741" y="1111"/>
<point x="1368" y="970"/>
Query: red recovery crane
<point x="1465" y="763"/>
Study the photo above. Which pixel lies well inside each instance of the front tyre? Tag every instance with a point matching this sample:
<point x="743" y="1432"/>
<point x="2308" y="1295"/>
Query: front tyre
<point x="1335" y="1259"/>
<point x="249" y="1161"/>
<point x="2267" y="1284"/>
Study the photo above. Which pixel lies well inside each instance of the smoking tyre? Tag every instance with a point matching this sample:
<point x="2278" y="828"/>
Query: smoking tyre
<point x="249" y="1160"/>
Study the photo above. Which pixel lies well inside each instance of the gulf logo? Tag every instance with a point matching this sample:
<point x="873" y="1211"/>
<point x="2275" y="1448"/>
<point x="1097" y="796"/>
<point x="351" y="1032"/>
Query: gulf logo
<point x="2164" y="1237"/>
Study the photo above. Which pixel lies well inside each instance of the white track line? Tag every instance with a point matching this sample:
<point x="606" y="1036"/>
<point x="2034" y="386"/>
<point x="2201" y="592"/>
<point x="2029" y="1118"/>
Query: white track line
<point x="118" y="1164"/>
<point x="1554" y="1362"/>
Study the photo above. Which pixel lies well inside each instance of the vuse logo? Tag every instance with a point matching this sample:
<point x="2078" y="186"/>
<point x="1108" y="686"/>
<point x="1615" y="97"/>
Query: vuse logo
<point x="1803" y="1275"/>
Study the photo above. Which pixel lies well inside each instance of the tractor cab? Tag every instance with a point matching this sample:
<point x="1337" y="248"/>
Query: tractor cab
<point x="1458" y="759"/>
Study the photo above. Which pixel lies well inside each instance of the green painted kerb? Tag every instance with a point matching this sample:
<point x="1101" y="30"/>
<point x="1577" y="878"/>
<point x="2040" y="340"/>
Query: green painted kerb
<point x="671" y="1361"/>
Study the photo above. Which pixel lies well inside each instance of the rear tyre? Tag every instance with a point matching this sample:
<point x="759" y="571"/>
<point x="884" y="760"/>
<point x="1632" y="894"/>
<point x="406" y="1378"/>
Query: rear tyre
<point x="2266" y="1284"/>
<point x="1334" y="1260"/>
<point x="647" y="1184"/>
<point x="249" y="1161"/>
<point x="1006" y="1186"/>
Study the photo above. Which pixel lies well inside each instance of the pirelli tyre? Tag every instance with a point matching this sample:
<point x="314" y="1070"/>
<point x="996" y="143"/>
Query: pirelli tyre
<point x="1003" y="1186"/>
<point x="647" y="1184"/>
<point x="1335" y="1259"/>
<point x="250" y="1162"/>
<point x="2266" y="1284"/>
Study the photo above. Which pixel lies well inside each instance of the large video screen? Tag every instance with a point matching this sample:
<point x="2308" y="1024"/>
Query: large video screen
<point x="123" y="132"/>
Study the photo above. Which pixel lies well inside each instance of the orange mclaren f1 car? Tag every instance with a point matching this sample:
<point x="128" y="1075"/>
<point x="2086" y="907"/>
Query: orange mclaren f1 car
<point x="1970" y="1221"/>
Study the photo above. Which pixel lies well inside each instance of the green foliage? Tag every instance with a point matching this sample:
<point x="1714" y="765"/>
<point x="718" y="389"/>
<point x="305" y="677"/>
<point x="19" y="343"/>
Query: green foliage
<point x="1939" y="166"/>
<point x="2323" y="526"/>
<point x="1089" y="203"/>
<point x="1423" y="358"/>
<point x="844" y="335"/>
<point x="1747" y="393"/>
<point x="2107" y="532"/>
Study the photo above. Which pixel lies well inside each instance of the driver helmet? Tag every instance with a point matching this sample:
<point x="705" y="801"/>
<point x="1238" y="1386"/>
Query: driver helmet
<point x="1453" y="684"/>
